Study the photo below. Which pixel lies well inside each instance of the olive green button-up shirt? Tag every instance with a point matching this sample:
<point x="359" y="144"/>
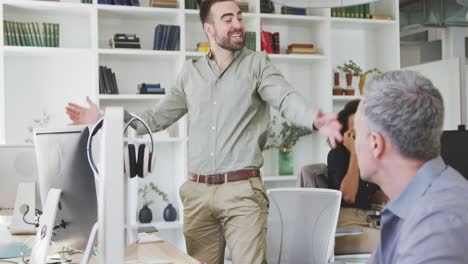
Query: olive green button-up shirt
<point x="228" y="112"/>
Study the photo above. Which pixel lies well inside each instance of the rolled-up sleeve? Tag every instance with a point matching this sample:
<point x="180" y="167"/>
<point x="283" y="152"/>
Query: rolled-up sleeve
<point x="274" y="89"/>
<point x="169" y="109"/>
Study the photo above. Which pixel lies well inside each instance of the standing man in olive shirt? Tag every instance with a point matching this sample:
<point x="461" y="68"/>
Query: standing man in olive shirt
<point x="227" y="96"/>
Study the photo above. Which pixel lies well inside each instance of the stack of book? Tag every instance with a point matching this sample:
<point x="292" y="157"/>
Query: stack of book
<point x="203" y="46"/>
<point x="267" y="7"/>
<point x="29" y="34"/>
<point x="287" y="10"/>
<point x="166" y="37"/>
<point x="358" y="11"/>
<point x="299" y="48"/>
<point x="270" y="42"/>
<point x="163" y="3"/>
<point x="126" y="41"/>
<point x="191" y="4"/>
<point x="119" y="2"/>
<point x="149" y="88"/>
<point x="250" y="40"/>
<point x="107" y="81"/>
<point x="244" y="6"/>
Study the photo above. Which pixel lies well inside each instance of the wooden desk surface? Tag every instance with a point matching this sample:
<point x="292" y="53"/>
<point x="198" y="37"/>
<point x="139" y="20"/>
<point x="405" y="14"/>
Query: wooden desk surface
<point x="159" y="250"/>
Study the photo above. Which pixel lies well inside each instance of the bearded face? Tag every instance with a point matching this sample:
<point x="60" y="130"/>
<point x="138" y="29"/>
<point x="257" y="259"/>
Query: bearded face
<point x="227" y="25"/>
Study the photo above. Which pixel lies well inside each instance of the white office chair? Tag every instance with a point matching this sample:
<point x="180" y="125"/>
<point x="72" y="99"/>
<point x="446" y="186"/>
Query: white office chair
<point x="301" y="225"/>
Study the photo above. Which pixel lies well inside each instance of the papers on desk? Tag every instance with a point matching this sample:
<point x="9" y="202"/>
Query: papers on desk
<point x="14" y="250"/>
<point x="149" y="261"/>
<point x="343" y="231"/>
<point x="144" y="238"/>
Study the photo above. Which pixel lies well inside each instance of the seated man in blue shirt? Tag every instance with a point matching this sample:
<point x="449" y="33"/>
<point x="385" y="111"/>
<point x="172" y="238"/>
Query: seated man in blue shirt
<point x="398" y="128"/>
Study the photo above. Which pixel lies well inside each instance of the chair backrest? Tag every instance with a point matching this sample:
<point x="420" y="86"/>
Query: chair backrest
<point x="302" y="225"/>
<point x="313" y="175"/>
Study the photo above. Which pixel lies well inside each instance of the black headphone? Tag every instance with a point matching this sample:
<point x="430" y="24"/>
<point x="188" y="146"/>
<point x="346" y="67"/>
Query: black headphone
<point x="138" y="159"/>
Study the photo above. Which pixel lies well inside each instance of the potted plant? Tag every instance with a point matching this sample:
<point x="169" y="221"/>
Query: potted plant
<point x="284" y="142"/>
<point x="362" y="79"/>
<point x="351" y="69"/>
<point x="145" y="215"/>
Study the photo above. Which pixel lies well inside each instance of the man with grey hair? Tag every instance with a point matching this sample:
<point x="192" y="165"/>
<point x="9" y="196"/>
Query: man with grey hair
<point x="398" y="128"/>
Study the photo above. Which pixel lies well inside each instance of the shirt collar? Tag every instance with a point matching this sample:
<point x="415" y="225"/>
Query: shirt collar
<point x="402" y="205"/>
<point x="236" y="53"/>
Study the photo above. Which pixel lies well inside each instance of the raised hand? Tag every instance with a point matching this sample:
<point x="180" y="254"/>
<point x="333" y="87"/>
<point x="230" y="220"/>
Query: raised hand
<point x="328" y="125"/>
<point x="81" y="115"/>
<point x="349" y="140"/>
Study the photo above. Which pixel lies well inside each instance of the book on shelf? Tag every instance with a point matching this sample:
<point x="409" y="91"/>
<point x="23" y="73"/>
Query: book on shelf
<point x="125" y="41"/>
<point x="147" y="88"/>
<point x="267" y="7"/>
<point x="166" y="37"/>
<point x="120" y="2"/>
<point x="270" y="42"/>
<point x="300" y="48"/>
<point x="250" y="40"/>
<point x="29" y="34"/>
<point x="107" y="81"/>
<point x="123" y="37"/>
<point x="287" y="10"/>
<point x="243" y="6"/>
<point x="203" y="46"/>
<point x="357" y="11"/>
<point x="383" y="17"/>
<point x="191" y="4"/>
<point x="163" y="3"/>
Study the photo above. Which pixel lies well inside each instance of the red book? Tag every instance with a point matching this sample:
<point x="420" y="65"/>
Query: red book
<point x="266" y="43"/>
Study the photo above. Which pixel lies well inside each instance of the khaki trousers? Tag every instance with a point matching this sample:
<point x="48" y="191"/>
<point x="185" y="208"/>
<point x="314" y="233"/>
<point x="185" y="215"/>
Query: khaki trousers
<point x="355" y="244"/>
<point x="235" y="213"/>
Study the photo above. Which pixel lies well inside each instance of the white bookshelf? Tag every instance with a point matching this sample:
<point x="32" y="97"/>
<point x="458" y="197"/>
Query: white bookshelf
<point x="36" y="79"/>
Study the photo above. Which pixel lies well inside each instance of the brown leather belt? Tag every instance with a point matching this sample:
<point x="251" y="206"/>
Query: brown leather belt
<point x="223" y="177"/>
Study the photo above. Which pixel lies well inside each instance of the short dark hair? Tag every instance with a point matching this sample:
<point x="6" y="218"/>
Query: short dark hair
<point x="205" y="6"/>
<point x="349" y="109"/>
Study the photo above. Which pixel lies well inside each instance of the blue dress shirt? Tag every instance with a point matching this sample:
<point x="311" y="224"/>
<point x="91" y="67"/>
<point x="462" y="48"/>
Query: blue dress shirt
<point x="428" y="221"/>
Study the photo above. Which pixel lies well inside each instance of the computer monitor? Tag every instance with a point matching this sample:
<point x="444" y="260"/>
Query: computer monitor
<point x="454" y="150"/>
<point x="17" y="165"/>
<point x="62" y="164"/>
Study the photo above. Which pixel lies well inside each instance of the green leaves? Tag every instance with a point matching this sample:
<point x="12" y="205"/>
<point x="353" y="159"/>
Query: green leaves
<point x="287" y="137"/>
<point x="151" y="187"/>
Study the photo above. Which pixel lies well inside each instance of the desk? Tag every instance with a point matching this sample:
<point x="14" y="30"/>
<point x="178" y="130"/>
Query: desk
<point x="161" y="250"/>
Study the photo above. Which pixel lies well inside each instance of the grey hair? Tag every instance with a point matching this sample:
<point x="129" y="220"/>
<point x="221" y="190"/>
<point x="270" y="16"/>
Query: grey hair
<point x="408" y="110"/>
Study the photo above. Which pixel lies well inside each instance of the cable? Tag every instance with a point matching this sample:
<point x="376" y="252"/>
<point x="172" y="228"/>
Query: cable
<point x="24" y="217"/>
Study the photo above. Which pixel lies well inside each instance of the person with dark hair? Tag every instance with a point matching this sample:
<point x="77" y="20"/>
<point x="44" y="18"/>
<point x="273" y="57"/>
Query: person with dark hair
<point x="227" y="96"/>
<point x="343" y="175"/>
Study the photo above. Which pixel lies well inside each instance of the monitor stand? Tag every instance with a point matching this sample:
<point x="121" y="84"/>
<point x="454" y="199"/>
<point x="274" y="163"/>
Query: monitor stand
<point x="24" y="218"/>
<point x="46" y="227"/>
